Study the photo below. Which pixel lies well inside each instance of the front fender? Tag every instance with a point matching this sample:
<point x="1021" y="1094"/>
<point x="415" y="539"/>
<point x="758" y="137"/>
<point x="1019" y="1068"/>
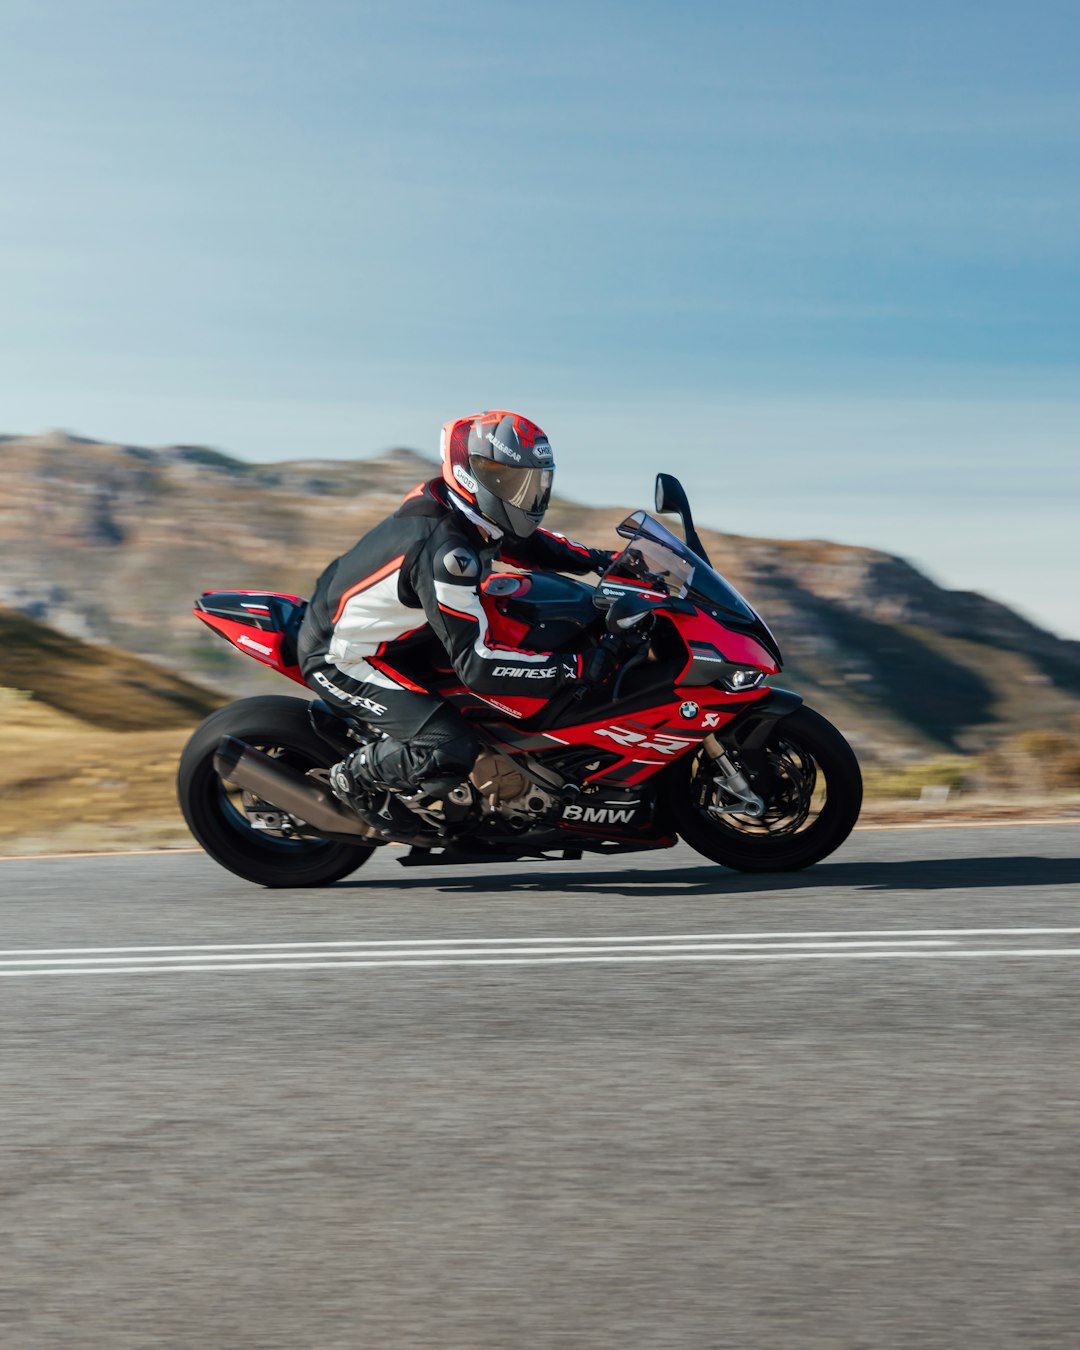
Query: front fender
<point x="750" y="730"/>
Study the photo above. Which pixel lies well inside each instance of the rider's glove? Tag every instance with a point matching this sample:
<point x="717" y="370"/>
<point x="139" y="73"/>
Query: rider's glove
<point x="602" y="559"/>
<point x="598" y="665"/>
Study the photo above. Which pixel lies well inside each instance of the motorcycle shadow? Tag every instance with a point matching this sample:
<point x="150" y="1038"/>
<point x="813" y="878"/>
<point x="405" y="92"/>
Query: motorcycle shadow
<point x="931" y="874"/>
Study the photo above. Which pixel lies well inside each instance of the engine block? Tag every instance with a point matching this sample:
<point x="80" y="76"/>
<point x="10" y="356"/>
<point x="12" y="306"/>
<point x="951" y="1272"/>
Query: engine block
<point x="504" y="790"/>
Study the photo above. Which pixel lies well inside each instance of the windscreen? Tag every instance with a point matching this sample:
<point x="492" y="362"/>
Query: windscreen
<point x="655" y="557"/>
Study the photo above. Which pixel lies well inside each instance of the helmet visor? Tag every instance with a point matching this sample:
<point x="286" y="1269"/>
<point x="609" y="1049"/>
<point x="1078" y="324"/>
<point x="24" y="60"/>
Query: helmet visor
<point x="527" y="489"/>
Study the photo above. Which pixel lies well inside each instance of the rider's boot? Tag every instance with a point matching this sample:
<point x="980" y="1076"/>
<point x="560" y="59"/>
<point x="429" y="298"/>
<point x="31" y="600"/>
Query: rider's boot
<point x="357" y="783"/>
<point x="439" y="806"/>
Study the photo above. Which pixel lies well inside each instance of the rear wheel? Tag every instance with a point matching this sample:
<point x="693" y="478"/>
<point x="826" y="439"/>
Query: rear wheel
<point x="253" y="839"/>
<point x="812" y="789"/>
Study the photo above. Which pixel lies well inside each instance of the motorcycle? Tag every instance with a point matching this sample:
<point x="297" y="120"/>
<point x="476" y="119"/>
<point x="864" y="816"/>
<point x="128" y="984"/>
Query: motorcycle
<point x="688" y="741"/>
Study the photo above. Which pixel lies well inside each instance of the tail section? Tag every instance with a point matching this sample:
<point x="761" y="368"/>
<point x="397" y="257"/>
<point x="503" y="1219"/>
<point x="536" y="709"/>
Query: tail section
<point x="261" y="624"/>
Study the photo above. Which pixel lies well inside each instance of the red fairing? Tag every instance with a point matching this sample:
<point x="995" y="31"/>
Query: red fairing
<point x="651" y="738"/>
<point x="737" y="647"/>
<point x="259" y="643"/>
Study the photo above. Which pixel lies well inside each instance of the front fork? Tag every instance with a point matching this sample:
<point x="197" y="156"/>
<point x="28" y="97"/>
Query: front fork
<point x="738" y="795"/>
<point x="747" y="735"/>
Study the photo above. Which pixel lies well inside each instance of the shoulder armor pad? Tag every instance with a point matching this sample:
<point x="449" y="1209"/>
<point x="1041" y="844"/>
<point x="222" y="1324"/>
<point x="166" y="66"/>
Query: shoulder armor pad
<point x="458" y="563"/>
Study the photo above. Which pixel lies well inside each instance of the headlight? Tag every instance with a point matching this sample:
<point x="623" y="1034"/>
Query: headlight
<point x="737" y="679"/>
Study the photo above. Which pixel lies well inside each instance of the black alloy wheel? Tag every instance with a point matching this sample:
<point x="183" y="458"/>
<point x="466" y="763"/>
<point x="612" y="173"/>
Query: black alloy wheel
<point x="222" y="816"/>
<point x="811" y="806"/>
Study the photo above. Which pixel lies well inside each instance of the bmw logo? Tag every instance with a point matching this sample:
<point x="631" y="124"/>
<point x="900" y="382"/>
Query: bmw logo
<point x="689" y="710"/>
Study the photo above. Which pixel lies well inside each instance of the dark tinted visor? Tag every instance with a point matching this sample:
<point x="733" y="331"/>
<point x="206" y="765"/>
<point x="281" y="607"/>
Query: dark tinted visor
<point x="527" y="489"/>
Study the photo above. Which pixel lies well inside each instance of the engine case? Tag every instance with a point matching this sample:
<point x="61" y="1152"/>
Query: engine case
<point x="504" y="790"/>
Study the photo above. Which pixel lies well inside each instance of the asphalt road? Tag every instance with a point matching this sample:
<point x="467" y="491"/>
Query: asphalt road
<point x="536" y="1106"/>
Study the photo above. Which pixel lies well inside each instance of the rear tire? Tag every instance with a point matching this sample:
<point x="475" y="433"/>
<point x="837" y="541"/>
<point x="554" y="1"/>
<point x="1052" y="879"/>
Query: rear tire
<point x="812" y="814"/>
<point x="280" y="726"/>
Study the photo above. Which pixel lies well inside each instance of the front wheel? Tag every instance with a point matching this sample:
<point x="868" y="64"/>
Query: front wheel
<point x="813" y="792"/>
<point x="256" y="841"/>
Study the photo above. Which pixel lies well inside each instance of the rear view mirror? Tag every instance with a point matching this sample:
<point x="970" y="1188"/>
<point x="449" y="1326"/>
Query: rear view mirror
<point x="671" y="499"/>
<point x="630" y="611"/>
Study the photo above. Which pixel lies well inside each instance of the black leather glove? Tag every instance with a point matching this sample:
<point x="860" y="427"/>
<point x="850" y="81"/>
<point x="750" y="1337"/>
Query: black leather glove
<point x="598" y="665"/>
<point x="602" y="560"/>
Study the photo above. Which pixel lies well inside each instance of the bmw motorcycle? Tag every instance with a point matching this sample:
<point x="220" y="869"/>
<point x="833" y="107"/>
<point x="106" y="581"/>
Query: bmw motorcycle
<point x="687" y="741"/>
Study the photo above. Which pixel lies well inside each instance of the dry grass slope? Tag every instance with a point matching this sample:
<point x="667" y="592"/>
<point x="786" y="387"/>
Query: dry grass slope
<point x="100" y="685"/>
<point x="67" y="784"/>
<point x="91" y="738"/>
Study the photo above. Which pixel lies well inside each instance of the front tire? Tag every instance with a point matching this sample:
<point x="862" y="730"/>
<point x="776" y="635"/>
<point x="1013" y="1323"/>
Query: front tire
<point x="815" y="802"/>
<point x="215" y="811"/>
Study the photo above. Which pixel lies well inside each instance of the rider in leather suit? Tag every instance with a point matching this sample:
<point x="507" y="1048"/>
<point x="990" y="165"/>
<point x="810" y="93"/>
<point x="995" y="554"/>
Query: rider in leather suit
<point x="419" y="572"/>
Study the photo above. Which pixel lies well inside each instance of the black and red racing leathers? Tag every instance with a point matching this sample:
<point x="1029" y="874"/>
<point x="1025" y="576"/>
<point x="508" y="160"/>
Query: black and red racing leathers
<point x="419" y="573"/>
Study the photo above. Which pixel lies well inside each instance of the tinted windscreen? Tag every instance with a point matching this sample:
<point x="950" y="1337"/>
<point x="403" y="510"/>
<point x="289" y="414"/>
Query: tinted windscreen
<point x="654" y="566"/>
<point x="716" y="591"/>
<point x="655" y="552"/>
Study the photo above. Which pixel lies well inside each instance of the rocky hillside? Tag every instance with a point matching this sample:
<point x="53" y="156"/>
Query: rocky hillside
<point x="111" y="543"/>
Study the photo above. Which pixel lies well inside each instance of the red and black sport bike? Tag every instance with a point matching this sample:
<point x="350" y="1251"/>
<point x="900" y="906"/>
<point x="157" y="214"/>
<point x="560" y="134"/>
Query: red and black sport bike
<point x="687" y="741"/>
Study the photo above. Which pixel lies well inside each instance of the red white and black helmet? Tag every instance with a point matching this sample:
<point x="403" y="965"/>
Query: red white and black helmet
<point x="500" y="464"/>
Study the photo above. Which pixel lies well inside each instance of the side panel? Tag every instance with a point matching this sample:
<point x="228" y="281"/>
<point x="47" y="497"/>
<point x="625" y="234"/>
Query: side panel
<point x="647" y="741"/>
<point x="709" y="645"/>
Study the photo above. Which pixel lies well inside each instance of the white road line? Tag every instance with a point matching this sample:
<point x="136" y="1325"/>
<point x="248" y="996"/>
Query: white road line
<point x="764" y="935"/>
<point x="848" y="954"/>
<point x="509" y="950"/>
<point x="361" y="950"/>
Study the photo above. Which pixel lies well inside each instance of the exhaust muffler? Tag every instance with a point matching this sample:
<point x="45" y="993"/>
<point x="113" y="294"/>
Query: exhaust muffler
<point x="288" y="789"/>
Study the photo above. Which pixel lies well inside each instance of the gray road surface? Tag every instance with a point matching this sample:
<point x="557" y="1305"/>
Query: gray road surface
<point x="536" y="1106"/>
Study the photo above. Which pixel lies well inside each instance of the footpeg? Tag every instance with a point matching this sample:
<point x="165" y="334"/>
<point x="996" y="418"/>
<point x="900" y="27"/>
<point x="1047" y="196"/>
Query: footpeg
<point x="341" y="781"/>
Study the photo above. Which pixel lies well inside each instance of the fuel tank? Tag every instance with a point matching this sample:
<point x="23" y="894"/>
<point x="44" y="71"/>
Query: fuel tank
<point x="552" y="609"/>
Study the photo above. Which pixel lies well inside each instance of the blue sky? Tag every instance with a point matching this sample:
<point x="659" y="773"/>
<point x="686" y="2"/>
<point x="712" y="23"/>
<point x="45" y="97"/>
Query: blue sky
<point x="820" y="259"/>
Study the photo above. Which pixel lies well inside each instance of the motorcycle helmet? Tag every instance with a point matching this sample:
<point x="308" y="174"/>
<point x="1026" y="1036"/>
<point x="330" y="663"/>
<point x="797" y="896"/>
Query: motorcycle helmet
<point x="501" y="465"/>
